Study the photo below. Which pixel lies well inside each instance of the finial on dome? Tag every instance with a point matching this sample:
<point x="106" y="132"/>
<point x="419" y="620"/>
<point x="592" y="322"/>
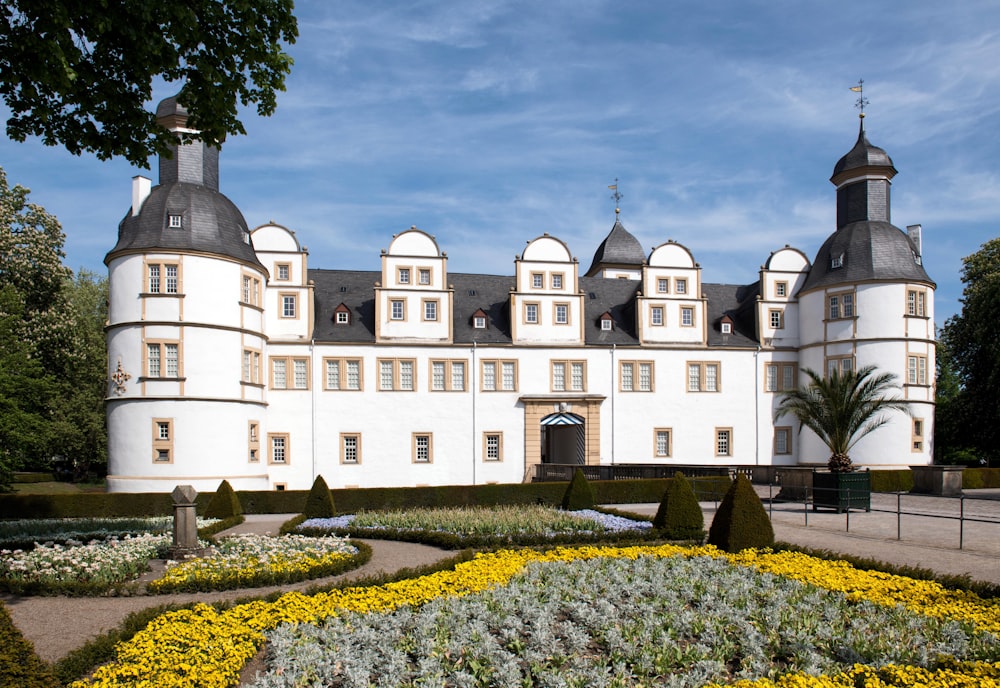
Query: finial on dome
<point x="862" y="101"/>
<point x="617" y="196"/>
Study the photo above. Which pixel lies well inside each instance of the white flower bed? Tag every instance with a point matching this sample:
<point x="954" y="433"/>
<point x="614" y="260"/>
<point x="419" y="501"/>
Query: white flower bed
<point x="108" y="561"/>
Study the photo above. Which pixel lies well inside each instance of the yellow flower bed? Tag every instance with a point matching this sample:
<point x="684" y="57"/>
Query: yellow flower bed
<point x="207" y="648"/>
<point x="955" y="675"/>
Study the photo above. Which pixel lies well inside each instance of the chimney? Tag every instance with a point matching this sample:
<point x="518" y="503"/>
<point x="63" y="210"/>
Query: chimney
<point x="141" y="187"/>
<point x="913" y="231"/>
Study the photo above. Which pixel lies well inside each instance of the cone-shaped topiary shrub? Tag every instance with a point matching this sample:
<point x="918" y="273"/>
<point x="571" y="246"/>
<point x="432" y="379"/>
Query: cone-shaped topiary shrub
<point x="579" y="494"/>
<point x="319" y="503"/>
<point x="679" y="515"/>
<point x="741" y="521"/>
<point x="224" y="503"/>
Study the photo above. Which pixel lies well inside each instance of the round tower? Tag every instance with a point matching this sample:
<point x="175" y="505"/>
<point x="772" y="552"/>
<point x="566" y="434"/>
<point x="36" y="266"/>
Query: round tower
<point x="867" y="301"/>
<point x="185" y="332"/>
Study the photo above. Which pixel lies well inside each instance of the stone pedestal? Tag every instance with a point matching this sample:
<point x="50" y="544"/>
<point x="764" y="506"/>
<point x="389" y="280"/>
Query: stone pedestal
<point x="186" y="545"/>
<point x="796" y="484"/>
<point x="938" y="480"/>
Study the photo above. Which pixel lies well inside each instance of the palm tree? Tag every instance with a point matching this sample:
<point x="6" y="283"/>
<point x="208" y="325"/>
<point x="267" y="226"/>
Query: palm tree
<point x="842" y="408"/>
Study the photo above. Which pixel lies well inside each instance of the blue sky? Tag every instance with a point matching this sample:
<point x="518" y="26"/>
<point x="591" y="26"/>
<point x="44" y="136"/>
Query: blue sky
<point x="489" y="123"/>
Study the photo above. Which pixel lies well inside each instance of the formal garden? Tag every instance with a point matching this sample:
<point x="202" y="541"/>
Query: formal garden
<point x="535" y="595"/>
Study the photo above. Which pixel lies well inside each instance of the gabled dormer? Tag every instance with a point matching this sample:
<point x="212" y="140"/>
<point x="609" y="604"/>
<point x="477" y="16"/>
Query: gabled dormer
<point x="287" y="299"/>
<point x="777" y="315"/>
<point x="413" y="302"/>
<point x="342" y="314"/>
<point x="670" y="308"/>
<point x="546" y="305"/>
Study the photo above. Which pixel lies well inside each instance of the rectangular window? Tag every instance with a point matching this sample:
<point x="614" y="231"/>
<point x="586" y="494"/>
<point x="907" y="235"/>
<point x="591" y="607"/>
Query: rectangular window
<point x="499" y="376"/>
<point x="289" y="306"/>
<point x="284" y="271"/>
<point x="779" y="377"/>
<point x="289" y="373"/>
<point x="423" y="448"/>
<point x="493" y="446"/>
<point x="153" y="360"/>
<point x="343" y="318"/>
<point x="430" y="310"/>
<point x="279" y="448"/>
<point x="396" y="375"/>
<point x="661" y="442"/>
<point x="154" y="279"/>
<point x="447" y="376"/>
<point x="562" y="314"/>
<point x="636" y="376"/>
<point x="848" y="305"/>
<point x="723" y="441"/>
<point x="917" y="444"/>
<point x="704" y="376"/>
<point x="350" y="447"/>
<point x="687" y="316"/>
<point x="301" y="373"/>
<point x="531" y="313"/>
<point x="343" y="374"/>
<point x="841" y="364"/>
<point x="251" y="290"/>
<point x="680" y="285"/>
<point x="840" y="306"/>
<point x="403" y="275"/>
<point x="656" y="315"/>
<point x="834" y="308"/>
<point x="175" y="221"/>
<point x="776" y="318"/>
<point x="397" y="309"/>
<point x="557" y="280"/>
<point x="663" y="285"/>
<point x="916" y="370"/>
<point x="782" y="440"/>
<point x="537" y="280"/>
<point x="279" y="373"/>
<point x="163" y="440"/>
<point x="569" y="376"/>
<point x="425" y="277"/>
<point x="915" y="303"/>
<point x="253" y="442"/>
<point x="162" y="359"/>
<point x="781" y="289"/>
<point x="251" y="366"/>
<point x="171" y="278"/>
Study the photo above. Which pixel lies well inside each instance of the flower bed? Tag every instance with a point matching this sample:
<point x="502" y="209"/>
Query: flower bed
<point x="207" y="647"/>
<point x="256" y="560"/>
<point x="24" y="533"/>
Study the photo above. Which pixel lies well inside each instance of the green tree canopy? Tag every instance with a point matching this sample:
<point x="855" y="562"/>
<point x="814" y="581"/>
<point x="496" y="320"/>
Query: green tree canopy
<point x="79" y="73"/>
<point x="842" y="408"/>
<point x="973" y="350"/>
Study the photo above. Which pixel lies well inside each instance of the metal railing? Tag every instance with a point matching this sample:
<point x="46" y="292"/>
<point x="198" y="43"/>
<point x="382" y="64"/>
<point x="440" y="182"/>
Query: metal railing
<point x="555" y="472"/>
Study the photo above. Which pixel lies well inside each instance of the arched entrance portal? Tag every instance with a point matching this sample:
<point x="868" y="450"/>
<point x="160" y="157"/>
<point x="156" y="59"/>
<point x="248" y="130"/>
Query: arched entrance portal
<point x="564" y="439"/>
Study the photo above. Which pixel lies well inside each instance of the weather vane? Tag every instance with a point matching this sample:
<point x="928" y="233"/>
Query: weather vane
<point x="617" y="196"/>
<point x="862" y="101"/>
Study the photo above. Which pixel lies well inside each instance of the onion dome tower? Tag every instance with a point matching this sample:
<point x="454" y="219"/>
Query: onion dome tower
<point x="868" y="301"/>
<point x="185" y="330"/>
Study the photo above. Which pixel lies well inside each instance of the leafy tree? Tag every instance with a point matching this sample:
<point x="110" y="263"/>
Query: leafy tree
<point x="974" y="350"/>
<point x="952" y="443"/>
<point x="78" y="73"/>
<point x="842" y="408"/>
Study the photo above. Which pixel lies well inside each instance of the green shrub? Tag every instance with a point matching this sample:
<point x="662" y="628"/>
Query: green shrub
<point x="225" y="503"/>
<point x="679" y="516"/>
<point x="579" y="494"/>
<point x="319" y="503"/>
<point x="19" y="665"/>
<point x="979" y="478"/>
<point x="741" y="521"/>
<point x="891" y="481"/>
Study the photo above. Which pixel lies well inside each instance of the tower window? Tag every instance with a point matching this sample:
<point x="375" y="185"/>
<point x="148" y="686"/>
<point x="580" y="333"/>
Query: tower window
<point x="175" y="221"/>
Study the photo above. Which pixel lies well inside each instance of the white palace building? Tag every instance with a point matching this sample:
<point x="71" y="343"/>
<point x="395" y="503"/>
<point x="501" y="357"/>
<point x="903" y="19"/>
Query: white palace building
<point x="231" y="358"/>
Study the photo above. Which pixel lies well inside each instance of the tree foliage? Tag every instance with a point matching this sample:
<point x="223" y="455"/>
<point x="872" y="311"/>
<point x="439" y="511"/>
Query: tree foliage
<point x="53" y="368"/>
<point x="842" y="408"/>
<point x="973" y="349"/>
<point x="319" y="502"/>
<point x="741" y="521"/>
<point x="679" y="515"/>
<point x="579" y="493"/>
<point x="79" y="73"/>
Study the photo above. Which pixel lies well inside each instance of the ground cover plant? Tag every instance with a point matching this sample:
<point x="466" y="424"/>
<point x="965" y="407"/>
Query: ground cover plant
<point x="481" y="526"/>
<point x="23" y="533"/>
<point x="915" y="632"/>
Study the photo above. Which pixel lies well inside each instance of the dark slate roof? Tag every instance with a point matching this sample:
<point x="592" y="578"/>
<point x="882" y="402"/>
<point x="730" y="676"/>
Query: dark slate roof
<point x="619" y="248"/>
<point x="871" y="250"/>
<point x="491" y="294"/>
<point x="169" y="107"/>
<point x="864" y="154"/>
<point x="211" y="224"/>
<point x="737" y="302"/>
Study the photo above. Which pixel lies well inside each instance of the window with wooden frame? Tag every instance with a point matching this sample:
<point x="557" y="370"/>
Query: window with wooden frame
<point x="422" y="447"/>
<point x="397" y="375"/>
<point x="279" y="448"/>
<point x="663" y="285"/>
<point x="782" y="440"/>
<point x="492" y="446"/>
<point x="163" y="278"/>
<point x="557" y="280"/>
<point x="680" y="285"/>
<point x="250" y="292"/>
<point x="568" y="376"/>
<point x="781" y="289"/>
<point x="916" y="369"/>
<point x="687" y="316"/>
<point x="498" y="376"/>
<point x="723" y="441"/>
<point x="163" y="359"/>
<point x="289" y="306"/>
<point x="350" y="448"/>
<point x="840" y="306"/>
<point x="175" y="221"/>
<point x="424" y="276"/>
<point x="430" y="308"/>
<point x="342" y="374"/>
<point x="402" y="275"/>
<point x="704" y="376"/>
<point x="251" y="366"/>
<point x="163" y="440"/>
<point x="253" y="441"/>
<point x="916" y="303"/>
<point x="635" y="376"/>
<point x="282" y="272"/>
<point x="917" y="435"/>
<point x="662" y="442"/>
<point x="531" y="313"/>
<point x="780" y="377"/>
<point x="776" y="318"/>
<point x="289" y="372"/>
<point x="562" y="314"/>
<point x="841" y="364"/>
<point x="397" y="309"/>
<point x="656" y="316"/>
<point x="538" y="280"/>
<point x="447" y="375"/>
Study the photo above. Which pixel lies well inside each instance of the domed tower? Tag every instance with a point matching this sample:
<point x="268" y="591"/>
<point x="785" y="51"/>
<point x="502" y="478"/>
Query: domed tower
<point x="867" y="301"/>
<point x="185" y="331"/>
<point x="619" y="255"/>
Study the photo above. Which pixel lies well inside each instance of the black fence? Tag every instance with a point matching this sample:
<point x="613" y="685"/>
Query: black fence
<point x="563" y="472"/>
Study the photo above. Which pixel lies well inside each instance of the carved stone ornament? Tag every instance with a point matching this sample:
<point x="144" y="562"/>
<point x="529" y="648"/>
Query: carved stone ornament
<point x="119" y="378"/>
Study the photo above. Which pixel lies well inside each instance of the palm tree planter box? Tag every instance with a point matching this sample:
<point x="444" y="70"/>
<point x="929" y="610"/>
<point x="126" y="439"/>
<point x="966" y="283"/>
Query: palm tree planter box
<point x="842" y="491"/>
